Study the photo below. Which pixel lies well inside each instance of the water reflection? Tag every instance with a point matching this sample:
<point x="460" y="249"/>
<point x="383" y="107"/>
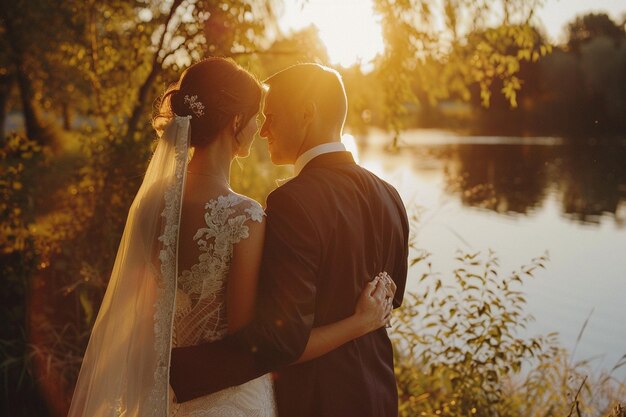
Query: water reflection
<point x="589" y="181"/>
<point x="520" y="198"/>
<point x="502" y="178"/>
<point x="593" y="182"/>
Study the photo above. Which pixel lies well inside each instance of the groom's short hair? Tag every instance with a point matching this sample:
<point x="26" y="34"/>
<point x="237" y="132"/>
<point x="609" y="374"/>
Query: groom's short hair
<point x="312" y="81"/>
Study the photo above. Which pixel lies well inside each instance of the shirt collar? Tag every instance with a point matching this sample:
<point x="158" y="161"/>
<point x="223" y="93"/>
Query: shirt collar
<point x="318" y="150"/>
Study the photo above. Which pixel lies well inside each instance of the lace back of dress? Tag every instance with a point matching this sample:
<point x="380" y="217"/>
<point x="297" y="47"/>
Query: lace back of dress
<point x="201" y="307"/>
<point x="201" y="294"/>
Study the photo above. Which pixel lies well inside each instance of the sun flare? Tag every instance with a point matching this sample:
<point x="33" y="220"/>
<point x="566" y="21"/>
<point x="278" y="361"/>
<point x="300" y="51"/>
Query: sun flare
<point x="349" y="29"/>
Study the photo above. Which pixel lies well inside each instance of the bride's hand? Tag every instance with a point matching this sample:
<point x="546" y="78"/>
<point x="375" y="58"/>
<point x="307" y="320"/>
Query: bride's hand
<point x="390" y="285"/>
<point x="375" y="303"/>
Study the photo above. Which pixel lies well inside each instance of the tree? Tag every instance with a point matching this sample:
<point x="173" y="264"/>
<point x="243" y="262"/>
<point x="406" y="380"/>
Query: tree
<point x="304" y="45"/>
<point x="468" y="49"/>
<point x="590" y="26"/>
<point x="22" y="57"/>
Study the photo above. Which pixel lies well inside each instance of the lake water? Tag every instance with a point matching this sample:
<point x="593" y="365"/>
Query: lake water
<point x="522" y="197"/>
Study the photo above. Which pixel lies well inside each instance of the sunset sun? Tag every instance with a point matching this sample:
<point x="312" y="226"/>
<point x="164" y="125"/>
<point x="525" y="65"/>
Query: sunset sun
<point x="349" y="29"/>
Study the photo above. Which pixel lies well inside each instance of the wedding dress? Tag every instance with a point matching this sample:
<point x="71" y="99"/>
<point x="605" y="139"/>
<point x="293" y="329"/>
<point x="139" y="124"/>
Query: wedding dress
<point x="200" y="314"/>
<point x="149" y="306"/>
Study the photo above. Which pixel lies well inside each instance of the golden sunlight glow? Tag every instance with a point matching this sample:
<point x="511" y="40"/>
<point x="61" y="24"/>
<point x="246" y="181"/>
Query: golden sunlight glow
<point x="348" y="28"/>
<point x="351" y="146"/>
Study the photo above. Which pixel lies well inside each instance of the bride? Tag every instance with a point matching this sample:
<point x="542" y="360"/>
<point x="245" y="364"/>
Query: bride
<point x="187" y="266"/>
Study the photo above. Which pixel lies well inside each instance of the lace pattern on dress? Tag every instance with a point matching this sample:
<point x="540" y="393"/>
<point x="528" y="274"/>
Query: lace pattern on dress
<point x="201" y="293"/>
<point x="201" y="307"/>
<point x="252" y="399"/>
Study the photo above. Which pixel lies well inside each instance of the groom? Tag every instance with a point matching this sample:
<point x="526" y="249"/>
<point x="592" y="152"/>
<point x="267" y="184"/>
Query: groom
<point x="328" y="229"/>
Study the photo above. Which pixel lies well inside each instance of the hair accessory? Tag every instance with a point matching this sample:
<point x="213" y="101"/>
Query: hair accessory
<point x="195" y="105"/>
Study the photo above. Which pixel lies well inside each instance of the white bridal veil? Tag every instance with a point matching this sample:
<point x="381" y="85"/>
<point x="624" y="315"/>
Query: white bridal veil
<point x="125" y="370"/>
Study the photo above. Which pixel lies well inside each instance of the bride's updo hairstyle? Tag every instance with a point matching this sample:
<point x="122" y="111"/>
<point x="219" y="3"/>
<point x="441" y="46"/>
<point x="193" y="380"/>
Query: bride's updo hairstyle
<point x="212" y="91"/>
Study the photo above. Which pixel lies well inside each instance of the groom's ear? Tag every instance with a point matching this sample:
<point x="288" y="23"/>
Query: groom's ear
<point x="309" y="111"/>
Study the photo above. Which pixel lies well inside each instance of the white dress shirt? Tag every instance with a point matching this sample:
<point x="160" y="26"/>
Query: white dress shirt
<point x="318" y="150"/>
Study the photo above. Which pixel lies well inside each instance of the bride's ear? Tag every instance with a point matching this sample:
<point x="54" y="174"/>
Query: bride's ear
<point x="236" y="123"/>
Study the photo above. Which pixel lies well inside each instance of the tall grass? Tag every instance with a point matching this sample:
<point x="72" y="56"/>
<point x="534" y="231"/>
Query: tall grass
<point x="461" y="349"/>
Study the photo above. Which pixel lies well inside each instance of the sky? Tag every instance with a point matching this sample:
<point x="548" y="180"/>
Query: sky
<point x="363" y="39"/>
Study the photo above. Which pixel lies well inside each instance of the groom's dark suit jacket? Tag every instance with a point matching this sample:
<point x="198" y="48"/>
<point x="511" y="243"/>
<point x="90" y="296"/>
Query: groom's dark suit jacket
<point x="329" y="231"/>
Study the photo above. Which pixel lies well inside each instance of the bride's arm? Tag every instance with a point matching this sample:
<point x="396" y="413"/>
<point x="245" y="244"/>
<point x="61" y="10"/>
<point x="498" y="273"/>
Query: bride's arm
<point x="372" y="312"/>
<point x="243" y="276"/>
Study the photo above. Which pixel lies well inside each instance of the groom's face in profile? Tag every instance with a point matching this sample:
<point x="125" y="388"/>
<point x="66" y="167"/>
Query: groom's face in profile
<point x="280" y="128"/>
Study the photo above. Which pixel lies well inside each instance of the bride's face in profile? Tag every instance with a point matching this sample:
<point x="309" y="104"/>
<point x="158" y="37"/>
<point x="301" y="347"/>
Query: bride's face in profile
<point x="246" y="136"/>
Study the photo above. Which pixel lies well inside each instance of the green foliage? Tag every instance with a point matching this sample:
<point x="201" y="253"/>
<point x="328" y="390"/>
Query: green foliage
<point x="19" y="157"/>
<point x="498" y="53"/>
<point x="302" y="46"/>
<point x="463" y="334"/>
<point x="560" y="386"/>
<point x="618" y="411"/>
<point x="591" y="26"/>
<point x="441" y="63"/>
<point x="460" y="349"/>
<point x="577" y="90"/>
